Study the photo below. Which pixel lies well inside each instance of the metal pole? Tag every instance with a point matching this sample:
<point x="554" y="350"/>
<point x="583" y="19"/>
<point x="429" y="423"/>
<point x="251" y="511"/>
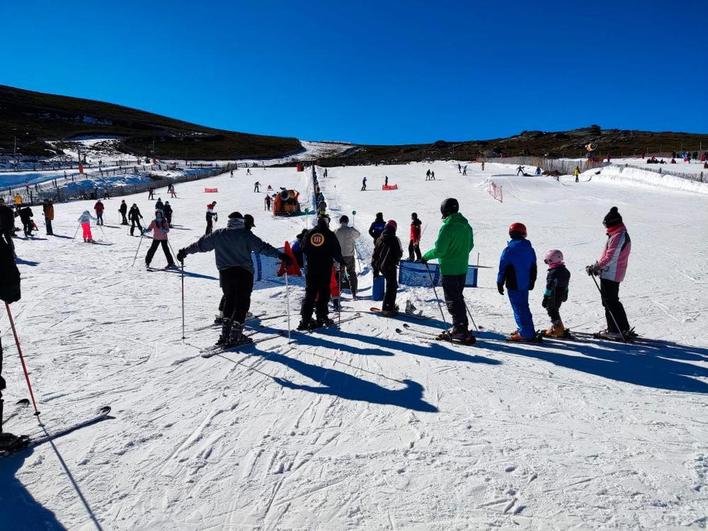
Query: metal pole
<point x="287" y="301"/>
<point x="435" y="291"/>
<point x="22" y="358"/>
<point x="138" y="249"/>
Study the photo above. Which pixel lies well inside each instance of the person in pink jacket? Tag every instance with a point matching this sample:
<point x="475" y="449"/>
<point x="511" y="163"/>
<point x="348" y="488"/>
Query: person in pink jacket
<point x="159" y="228"/>
<point x="611" y="268"/>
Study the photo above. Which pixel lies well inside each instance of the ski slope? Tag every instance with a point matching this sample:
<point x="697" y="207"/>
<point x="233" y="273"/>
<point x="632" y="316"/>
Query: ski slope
<point x="363" y="427"/>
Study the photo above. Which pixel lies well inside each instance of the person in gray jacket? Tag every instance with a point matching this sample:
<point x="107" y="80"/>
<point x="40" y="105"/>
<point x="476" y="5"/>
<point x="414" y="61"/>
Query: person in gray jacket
<point x="233" y="247"/>
<point x="347" y="236"/>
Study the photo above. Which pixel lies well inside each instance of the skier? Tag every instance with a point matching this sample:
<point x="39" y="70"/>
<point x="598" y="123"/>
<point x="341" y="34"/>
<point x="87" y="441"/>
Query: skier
<point x="538" y="170"/>
<point x="464" y="170"/>
<point x="48" y="211"/>
<point x="452" y="248"/>
<point x="123" y="209"/>
<point x="427" y="175"/>
<point x="482" y="165"/>
<point x="321" y="249"/>
<point x="517" y="269"/>
<point x="171" y="191"/>
<point x="520" y="170"/>
<point x="7" y="225"/>
<point x="556" y="293"/>
<point x="576" y="174"/>
<point x="167" y="209"/>
<point x="151" y="193"/>
<point x="233" y="246"/>
<point x="85" y="222"/>
<point x="363" y="185"/>
<point x="26" y="218"/>
<point x="135" y="216"/>
<point x="459" y="168"/>
<point x="432" y="175"/>
<point x="159" y="228"/>
<point x="232" y="173"/>
<point x="99" y="208"/>
<point x="386" y="257"/>
<point x="347" y="236"/>
<point x="377" y="227"/>
<point x="257" y="187"/>
<point x="296" y="248"/>
<point x="248" y="171"/>
<point x="386" y="180"/>
<point x="414" y="241"/>
<point x="159" y="205"/>
<point x="211" y="217"/>
<point x="267" y="200"/>
<point x="611" y="268"/>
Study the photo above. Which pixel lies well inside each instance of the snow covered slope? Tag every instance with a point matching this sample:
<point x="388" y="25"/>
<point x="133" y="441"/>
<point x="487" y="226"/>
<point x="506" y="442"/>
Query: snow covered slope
<point x="364" y="427"/>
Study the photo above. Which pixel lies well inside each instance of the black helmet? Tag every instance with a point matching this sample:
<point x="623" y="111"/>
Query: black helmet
<point x="344" y="219"/>
<point x="449" y="206"/>
<point x="235" y="215"/>
<point x="248" y="221"/>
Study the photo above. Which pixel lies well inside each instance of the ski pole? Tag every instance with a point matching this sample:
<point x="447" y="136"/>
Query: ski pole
<point x="435" y="291"/>
<point x="339" y="306"/>
<point x="469" y="313"/>
<point x="22" y="358"/>
<point x="604" y="303"/>
<point x="77" y="230"/>
<point x="287" y="301"/>
<point x="138" y="249"/>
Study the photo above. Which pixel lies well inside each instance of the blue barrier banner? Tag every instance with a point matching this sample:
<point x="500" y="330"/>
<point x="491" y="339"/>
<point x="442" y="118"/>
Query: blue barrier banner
<point x="416" y="274"/>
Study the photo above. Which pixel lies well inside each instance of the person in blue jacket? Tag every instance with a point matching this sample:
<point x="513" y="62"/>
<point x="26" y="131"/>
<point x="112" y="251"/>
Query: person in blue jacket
<point x="517" y="270"/>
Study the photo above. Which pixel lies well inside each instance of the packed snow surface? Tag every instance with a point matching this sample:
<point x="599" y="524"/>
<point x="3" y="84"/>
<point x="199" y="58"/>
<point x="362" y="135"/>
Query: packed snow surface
<point x="364" y="427"/>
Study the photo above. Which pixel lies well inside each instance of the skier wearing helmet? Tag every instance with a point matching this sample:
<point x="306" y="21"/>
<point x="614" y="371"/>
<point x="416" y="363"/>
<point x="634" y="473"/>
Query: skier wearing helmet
<point x="452" y="249"/>
<point x="159" y="228"/>
<point x="556" y="293"/>
<point x="517" y="270"/>
<point x="386" y="257"/>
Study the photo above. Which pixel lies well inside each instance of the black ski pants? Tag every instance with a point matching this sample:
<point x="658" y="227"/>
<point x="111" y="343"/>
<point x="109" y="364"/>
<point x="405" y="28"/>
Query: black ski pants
<point x="389" y="302"/>
<point x="554" y="314"/>
<point x="414" y="251"/>
<point x="208" y="227"/>
<point x="453" y="287"/>
<point x="316" y="292"/>
<point x="153" y="247"/>
<point x="125" y="220"/>
<point x="613" y="306"/>
<point x="237" y="285"/>
<point x="99" y="218"/>
<point x="349" y="265"/>
<point x="48" y="223"/>
<point x="133" y="224"/>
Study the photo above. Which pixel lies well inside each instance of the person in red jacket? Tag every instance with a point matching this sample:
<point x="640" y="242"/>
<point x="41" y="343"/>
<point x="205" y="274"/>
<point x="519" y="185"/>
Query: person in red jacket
<point x="414" y="243"/>
<point x="98" y="207"/>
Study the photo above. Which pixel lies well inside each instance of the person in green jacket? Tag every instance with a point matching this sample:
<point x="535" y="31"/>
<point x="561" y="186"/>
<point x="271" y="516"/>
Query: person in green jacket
<point x="452" y="249"/>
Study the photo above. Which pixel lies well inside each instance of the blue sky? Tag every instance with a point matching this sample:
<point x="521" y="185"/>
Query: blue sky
<point x="372" y="72"/>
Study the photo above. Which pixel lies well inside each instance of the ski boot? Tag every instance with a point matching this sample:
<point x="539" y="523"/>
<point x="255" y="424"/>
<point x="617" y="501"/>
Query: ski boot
<point x="219" y="319"/>
<point x="516" y="337"/>
<point x="237" y="335"/>
<point x="225" y="337"/>
<point x="556" y="331"/>
<point x="325" y="321"/>
<point x="172" y="266"/>
<point x="307" y="324"/>
<point x="458" y="335"/>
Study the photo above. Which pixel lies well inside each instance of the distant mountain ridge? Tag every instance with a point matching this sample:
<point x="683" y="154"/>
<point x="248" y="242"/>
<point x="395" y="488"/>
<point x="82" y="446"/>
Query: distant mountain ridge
<point x="33" y="119"/>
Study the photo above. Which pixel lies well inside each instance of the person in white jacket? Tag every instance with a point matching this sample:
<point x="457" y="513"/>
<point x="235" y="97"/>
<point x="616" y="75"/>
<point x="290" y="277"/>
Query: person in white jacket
<point x="85" y="221"/>
<point x="347" y="237"/>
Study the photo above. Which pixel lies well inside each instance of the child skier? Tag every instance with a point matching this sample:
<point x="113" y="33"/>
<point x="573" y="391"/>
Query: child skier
<point x="135" y="216"/>
<point x="517" y="269"/>
<point x="85" y="221"/>
<point x="556" y="293"/>
<point x="160" y="228"/>
<point x="211" y="217"/>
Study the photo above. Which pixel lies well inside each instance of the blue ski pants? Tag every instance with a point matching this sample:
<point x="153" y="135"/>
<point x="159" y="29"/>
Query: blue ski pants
<point x="519" y="300"/>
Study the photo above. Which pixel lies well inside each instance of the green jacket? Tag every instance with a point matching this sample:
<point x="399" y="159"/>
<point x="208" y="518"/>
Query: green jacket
<point x="453" y="246"/>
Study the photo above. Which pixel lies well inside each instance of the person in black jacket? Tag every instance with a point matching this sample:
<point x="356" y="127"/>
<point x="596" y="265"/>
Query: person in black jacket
<point x="386" y="257"/>
<point x="557" y="280"/>
<point x="26" y="217"/>
<point x="167" y="209"/>
<point x="123" y="209"/>
<point x="321" y="249"/>
<point x="135" y="216"/>
<point x="7" y="225"/>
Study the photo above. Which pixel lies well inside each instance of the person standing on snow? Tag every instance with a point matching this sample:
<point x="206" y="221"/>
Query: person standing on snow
<point x="347" y="237"/>
<point x="211" y="217"/>
<point x="98" y="207"/>
<point x="386" y="180"/>
<point x="167" y="209"/>
<point x="267" y="200"/>
<point x="576" y="174"/>
<point x="48" y="211"/>
<point x="135" y="216"/>
<point x="611" y="268"/>
<point x="386" y="257"/>
<point x="363" y="185"/>
<point x="7" y="225"/>
<point x="85" y="222"/>
<point x="452" y="249"/>
<point x="517" y="270"/>
<point x="257" y="187"/>
<point x="520" y="170"/>
<point x="321" y="248"/>
<point x="233" y="246"/>
<point x="159" y="205"/>
<point x="123" y="209"/>
<point x="159" y="228"/>
<point x="377" y="226"/>
<point x="26" y="218"/>
<point x="557" y="280"/>
<point x="414" y="241"/>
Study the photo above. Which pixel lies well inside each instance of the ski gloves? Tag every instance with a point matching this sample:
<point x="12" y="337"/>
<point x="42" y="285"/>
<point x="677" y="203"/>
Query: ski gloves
<point x="593" y="270"/>
<point x="181" y="255"/>
<point x="500" y="288"/>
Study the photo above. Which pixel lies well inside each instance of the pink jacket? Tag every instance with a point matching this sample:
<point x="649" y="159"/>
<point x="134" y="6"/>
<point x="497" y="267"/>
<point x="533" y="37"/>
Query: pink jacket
<point x="613" y="263"/>
<point x="160" y="229"/>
